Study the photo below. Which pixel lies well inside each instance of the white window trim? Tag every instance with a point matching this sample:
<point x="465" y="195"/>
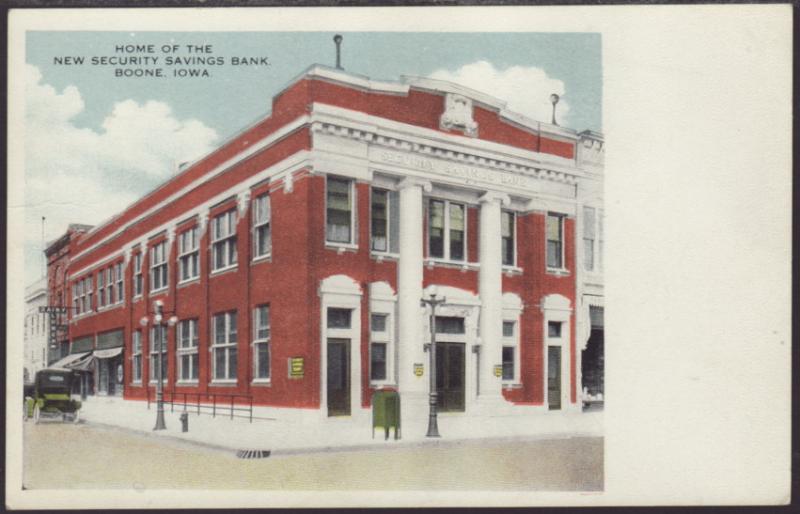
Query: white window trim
<point x="154" y="265"/>
<point x="227" y="344"/>
<point x="138" y="273"/>
<point x="225" y="240"/>
<point x="514" y="342"/>
<point x="513" y="266"/>
<point x="388" y="252"/>
<point x="256" y="226"/>
<point x="135" y="354"/>
<point x="256" y="341"/>
<point x="557" y="308"/>
<point x="446" y="243"/>
<point x="386" y="337"/>
<point x="191" y="350"/>
<point x="353" y="244"/>
<point x="184" y="253"/>
<point x="563" y="270"/>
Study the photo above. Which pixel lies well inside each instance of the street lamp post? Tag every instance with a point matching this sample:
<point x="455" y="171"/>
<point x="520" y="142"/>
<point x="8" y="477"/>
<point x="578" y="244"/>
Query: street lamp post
<point x="158" y="317"/>
<point x="433" y="302"/>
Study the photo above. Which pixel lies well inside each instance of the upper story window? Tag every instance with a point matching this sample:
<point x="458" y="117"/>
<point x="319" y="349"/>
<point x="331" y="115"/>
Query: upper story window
<point x="158" y="267"/>
<point x="224" y="240"/>
<point x="189" y="255"/>
<point x="339" y="211"/>
<point x="120" y="282"/>
<point x="555" y="239"/>
<point x="446" y="230"/>
<point x="110" y="285"/>
<point x="262" y="234"/>
<point x="385" y="221"/>
<point x="450" y="325"/>
<point x="101" y="289"/>
<point x="137" y="275"/>
<point x="554" y="329"/>
<point x="261" y="337"/>
<point x="338" y="318"/>
<point x="158" y="353"/>
<point x="82" y="295"/>
<point x="507" y="221"/>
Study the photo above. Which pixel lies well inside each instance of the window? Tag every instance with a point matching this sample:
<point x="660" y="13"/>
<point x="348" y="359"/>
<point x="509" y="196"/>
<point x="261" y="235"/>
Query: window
<point x="224" y="240"/>
<point x="120" y="278"/>
<point x="109" y="285"/>
<point x="338" y="318"/>
<point x="75" y="298"/>
<point x="589" y="226"/>
<point x="507" y="220"/>
<point x="385" y="221"/>
<point x="261" y="343"/>
<point x="158" y="346"/>
<point x="378" y="357"/>
<point x="158" y="267"/>
<point x="262" y="235"/>
<point x="449" y="325"/>
<point x="508" y="329"/>
<point x="508" y="363"/>
<point x="136" y="356"/>
<point x="446" y="230"/>
<point x="189" y="256"/>
<point x="554" y="329"/>
<point x="101" y="291"/>
<point x="225" y="355"/>
<point x="339" y="210"/>
<point x="555" y="231"/>
<point x="137" y="274"/>
<point x="188" y="339"/>
<point x="87" y="293"/>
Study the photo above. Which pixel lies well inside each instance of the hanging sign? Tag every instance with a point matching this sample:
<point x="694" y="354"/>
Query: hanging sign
<point x="418" y="369"/>
<point x="498" y="370"/>
<point x="296" y="367"/>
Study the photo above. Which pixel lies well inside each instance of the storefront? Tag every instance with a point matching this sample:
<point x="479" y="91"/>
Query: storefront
<point x="109" y="363"/>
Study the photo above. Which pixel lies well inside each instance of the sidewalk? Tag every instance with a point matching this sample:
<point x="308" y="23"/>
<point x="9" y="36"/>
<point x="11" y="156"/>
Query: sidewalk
<point x="290" y="432"/>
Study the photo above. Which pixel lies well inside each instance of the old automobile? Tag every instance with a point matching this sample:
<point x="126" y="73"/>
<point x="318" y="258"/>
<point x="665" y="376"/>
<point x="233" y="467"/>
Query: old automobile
<point x="52" y="396"/>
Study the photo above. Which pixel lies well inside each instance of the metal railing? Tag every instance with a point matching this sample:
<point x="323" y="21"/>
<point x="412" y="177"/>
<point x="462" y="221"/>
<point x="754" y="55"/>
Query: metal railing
<point x="225" y="403"/>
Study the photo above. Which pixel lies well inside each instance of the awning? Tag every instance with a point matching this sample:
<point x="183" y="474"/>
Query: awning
<point x="69" y="359"/>
<point x="108" y="353"/>
<point x="83" y="365"/>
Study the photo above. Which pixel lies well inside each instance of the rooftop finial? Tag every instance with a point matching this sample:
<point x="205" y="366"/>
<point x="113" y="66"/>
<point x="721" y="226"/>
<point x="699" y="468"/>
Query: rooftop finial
<point x="338" y="40"/>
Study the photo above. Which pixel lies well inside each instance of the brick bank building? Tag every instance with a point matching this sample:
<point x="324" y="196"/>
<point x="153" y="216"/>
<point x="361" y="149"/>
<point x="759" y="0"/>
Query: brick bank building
<point x="294" y="258"/>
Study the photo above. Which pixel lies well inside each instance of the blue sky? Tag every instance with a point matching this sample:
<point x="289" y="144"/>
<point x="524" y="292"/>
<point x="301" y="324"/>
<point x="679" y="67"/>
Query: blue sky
<point x="76" y="114"/>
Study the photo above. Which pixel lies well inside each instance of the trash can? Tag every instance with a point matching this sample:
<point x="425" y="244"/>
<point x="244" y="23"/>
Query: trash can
<point x="184" y="421"/>
<point x="386" y="412"/>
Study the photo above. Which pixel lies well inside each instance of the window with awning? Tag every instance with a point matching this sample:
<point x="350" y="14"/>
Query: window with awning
<point x="111" y="339"/>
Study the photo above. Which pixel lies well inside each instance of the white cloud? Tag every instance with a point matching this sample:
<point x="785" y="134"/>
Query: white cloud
<point x="526" y="89"/>
<point x="81" y="175"/>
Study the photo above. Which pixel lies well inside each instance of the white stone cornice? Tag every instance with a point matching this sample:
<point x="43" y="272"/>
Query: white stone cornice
<point x="493" y="196"/>
<point x="170" y="235"/>
<point x="202" y="222"/>
<point x="128" y="253"/>
<point x="415" y="182"/>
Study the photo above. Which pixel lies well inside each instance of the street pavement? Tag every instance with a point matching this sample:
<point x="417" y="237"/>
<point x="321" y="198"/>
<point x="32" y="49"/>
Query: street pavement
<point x="90" y="456"/>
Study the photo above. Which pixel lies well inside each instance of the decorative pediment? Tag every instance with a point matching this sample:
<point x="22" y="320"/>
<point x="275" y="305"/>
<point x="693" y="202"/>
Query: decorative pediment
<point x="458" y="115"/>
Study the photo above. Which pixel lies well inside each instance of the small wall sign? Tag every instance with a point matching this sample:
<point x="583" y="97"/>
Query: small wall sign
<point x="498" y="370"/>
<point x="296" y="367"/>
<point x="418" y="369"/>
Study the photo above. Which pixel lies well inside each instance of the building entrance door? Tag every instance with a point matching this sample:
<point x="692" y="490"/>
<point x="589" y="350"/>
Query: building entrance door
<point x="450" y="377"/>
<point x="338" y="377"/>
<point x="554" y="377"/>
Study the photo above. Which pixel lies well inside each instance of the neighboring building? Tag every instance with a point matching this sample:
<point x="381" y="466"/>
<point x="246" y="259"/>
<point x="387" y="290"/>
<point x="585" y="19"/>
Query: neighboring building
<point x="37" y="329"/>
<point x="295" y="256"/>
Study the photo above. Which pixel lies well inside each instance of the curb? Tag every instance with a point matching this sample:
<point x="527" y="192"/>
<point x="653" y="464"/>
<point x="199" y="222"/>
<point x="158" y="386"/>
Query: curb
<point x="347" y="448"/>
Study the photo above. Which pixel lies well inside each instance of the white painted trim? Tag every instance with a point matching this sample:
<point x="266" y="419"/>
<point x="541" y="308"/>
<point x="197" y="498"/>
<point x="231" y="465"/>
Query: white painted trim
<point x="556" y="307"/>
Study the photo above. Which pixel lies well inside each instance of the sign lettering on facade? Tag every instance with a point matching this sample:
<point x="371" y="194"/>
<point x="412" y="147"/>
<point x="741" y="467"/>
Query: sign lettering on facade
<point x="471" y="175"/>
<point x="296" y="367"/>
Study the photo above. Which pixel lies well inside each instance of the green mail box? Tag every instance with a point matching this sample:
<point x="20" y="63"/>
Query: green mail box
<point x="386" y="412"/>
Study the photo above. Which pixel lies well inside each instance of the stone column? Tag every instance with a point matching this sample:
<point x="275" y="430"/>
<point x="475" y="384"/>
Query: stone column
<point x="409" y="285"/>
<point x="490" y="287"/>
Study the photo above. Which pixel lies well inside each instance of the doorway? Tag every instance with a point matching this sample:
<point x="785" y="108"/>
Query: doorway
<point x="554" y="377"/>
<point x="450" y="377"/>
<point x="338" y="367"/>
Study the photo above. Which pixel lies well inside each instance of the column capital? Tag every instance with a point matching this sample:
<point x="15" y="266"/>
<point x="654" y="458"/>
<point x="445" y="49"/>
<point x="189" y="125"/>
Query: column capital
<point x="415" y="182"/>
<point x="492" y="196"/>
<point x="243" y="199"/>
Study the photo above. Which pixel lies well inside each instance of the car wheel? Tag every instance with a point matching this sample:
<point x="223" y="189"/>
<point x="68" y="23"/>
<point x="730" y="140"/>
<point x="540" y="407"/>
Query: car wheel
<point x="36" y="414"/>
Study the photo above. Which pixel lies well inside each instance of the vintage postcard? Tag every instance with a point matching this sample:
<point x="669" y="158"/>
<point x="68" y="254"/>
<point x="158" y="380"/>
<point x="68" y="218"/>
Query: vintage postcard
<point x="324" y="257"/>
